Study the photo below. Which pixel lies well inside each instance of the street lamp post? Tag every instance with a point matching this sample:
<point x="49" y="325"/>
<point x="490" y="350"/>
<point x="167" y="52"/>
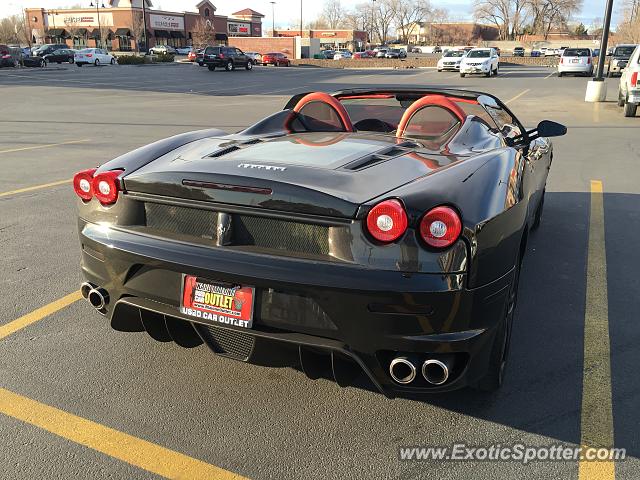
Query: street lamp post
<point x="273" y="19"/>
<point x="144" y="25"/>
<point x="597" y="88"/>
<point x="98" y="15"/>
<point x="300" y="19"/>
<point x="373" y="19"/>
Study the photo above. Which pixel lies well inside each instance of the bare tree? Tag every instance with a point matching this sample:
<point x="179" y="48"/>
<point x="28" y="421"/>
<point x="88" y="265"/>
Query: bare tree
<point x="629" y="28"/>
<point x="137" y="28"/>
<point x="384" y="15"/>
<point x="14" y="29"/>
<point x="203" y="34"/>
<point x="546" y="14"/>
<point x="332" y="13"/>
<point x="408" y="14"/>
<point x="507" y="15"/>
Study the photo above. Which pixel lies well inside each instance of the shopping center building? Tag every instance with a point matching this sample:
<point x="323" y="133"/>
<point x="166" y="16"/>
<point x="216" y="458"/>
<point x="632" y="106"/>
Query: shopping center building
<point x="125" y="25"/>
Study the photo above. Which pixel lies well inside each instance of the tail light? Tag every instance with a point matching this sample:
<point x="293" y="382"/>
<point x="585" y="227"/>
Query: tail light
<point x="105" y="187"/>
<point x="634" y="79"/>
<point x="440" y="227"/>
<point x="561" y="60"/>
<point x="588" y="60"/>
<point x="221" y="55"/>
<point x="6" y="56"/>
<point x="82" y="184"/>
<point x="89" y="55"/>
<point x="387" y="221"/>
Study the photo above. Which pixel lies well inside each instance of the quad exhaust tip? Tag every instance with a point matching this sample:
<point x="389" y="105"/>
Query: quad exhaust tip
<point x="402" y="370"/>
<point x="435" y="372"/>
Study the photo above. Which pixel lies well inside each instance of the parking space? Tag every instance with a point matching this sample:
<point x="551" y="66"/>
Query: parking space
<point x="212" y="417"/>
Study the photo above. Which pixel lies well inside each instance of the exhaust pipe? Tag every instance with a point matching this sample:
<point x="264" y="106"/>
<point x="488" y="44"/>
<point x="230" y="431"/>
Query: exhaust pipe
<point x="98" y="297"/>
<point x="85" y="288"/>
<point x="402" y="370"/>
<point x="435" y="372"/>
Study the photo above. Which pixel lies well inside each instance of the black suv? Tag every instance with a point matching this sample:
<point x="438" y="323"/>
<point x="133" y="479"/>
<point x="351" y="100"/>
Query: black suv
<point x="225" y="57"/>
<point x="50" y="48"/>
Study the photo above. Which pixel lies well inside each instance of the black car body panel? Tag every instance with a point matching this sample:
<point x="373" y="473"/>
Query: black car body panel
<point x="222" y="56"/>
<point x="283" y="209"/>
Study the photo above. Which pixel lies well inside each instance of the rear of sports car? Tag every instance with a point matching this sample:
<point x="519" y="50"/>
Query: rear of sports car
<point x="293" y="251"/>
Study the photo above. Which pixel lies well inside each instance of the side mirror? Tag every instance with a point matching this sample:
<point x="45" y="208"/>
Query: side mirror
<point x="547" y="128"/>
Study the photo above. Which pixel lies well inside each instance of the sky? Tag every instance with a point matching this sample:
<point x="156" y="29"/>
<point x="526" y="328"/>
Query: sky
<point x="287" y="12"/>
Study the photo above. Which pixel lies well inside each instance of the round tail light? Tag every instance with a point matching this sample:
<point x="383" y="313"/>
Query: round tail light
<point x="440" y="227"/>
<point x="106" y="187"/>
<point x="82" y="184"/>
<point x="387" y="221"/>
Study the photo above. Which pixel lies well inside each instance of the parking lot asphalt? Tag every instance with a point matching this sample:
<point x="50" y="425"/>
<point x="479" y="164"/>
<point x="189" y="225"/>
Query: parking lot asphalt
<point x="275" y="423"/>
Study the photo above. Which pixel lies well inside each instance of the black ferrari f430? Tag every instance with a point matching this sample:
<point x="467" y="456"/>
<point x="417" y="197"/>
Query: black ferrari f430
<point x="369" y="231"/>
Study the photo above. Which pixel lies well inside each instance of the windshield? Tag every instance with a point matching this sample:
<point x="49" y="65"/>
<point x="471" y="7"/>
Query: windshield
<point x="479" y="54"/>
<point x="576" y="52"/>
<point x="454" y="53"/>
<point x="623" y="51"/>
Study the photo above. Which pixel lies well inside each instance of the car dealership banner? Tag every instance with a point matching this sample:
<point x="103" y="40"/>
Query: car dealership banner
<point x="62" y="20"/>
<point x="236" y="28"/>
<point x="166" y="22"/>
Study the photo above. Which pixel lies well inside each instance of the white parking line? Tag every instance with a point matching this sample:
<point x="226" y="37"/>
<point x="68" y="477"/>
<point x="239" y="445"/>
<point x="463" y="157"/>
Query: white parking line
<point x="550" y="75"/>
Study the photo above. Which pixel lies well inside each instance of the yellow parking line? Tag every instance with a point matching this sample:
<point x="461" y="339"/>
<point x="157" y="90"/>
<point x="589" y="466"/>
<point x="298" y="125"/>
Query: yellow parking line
<point x="39" y="314"/>
<point x="127" y="448"/>
<point x="34" y="187"/>
<point x="518" y="96"/>
<point x="596" y="422"/>
<point x="71" y="142"/>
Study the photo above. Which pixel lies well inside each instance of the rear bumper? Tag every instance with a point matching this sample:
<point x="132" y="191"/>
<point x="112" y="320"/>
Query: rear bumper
<point x="306" y="309"/>
<point x="575" y="68"/>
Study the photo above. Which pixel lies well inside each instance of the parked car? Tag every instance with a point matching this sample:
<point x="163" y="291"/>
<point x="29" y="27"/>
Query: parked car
<point x="536" y="53"/>
<point x="94" y="56"/>
<point x="619" y="59"/>
<point x="415" y="50"/>
<point x="551" y="52"/>
<point x="228" y="58"/>
<point x="497" y="49"/>
<point x="49" y="48"/>
<point x="327" y="54"/>
<point x="365" y="54"/>
<point x="577" y="61"/>
<point x="185" y="50"/>
<point x="340" y="54"/>
<point x="561" y="51"/>
<point x="518" y="52"/>
<point x="277" y="59"/>
<point x="382" y="52"/>
<point x="629" y="87"/>
<point x="63" y="55"/>
<point x="596" y="52"/>
<point x="34" y="61"/>
<point x="327" y="239"/>
<point x="480" y="60"/>
<point x="255" y="57"/>
<point x="451" y="60"/>
<point x="10" y="56"/>
<point x="396" y="53"/>
<point x="163" y="50"/>
<point x="200" y="57"/>
<point x="437" y="49"/>
<point x="193" y="54"/>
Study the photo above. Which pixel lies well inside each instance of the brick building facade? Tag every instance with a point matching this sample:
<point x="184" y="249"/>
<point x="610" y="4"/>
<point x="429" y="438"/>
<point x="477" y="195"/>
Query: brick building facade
<point x="330" y="38"/>
<point x="119" y="25"/>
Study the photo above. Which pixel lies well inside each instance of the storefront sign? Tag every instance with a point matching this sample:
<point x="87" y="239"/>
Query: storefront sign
<point x="239" y="28"/>
<point x="62" y="20"/>
<point x="166" y="22"/>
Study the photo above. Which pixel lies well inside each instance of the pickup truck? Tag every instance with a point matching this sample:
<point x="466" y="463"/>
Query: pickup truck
<point x="629" y="90"/>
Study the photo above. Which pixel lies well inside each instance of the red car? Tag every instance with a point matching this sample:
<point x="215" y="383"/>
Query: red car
<point x="365" y="54"/>
<point x="193" y="55"/>
<point x="276" y="59"/>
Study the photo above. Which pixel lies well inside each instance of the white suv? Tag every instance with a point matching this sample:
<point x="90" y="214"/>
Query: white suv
<point x="480" y="60"/>
<point x="629" y="90"/>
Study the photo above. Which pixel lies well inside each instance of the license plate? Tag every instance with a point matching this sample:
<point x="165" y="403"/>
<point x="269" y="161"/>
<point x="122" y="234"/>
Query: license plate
<point x="217" y="302"/>
<point x="575" y="60"/>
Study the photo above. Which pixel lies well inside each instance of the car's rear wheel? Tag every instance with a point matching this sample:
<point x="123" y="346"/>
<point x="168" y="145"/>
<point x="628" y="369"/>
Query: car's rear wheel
<point x="620" y="99"/>
<point x="630" y="109"/>
<point x="97" y="63"/>
<point x="77" y="64"/>
<point x="113" y="61"/>
<point x="71" y="60"/>
<point x="229" y="66"/>
<point x="560" y="74"/>
<point x="494" y="377"/>
<point x="249" y="66"/>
